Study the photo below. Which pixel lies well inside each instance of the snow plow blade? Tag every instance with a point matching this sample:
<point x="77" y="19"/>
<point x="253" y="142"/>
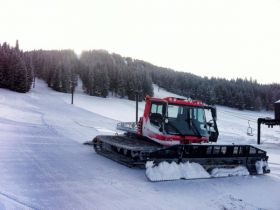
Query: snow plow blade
<point x="216" y="160"/>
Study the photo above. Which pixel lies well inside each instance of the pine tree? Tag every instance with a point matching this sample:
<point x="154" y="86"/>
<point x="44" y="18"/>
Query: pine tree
<point x="20" y="79"/>
<point x="2" y="67"/>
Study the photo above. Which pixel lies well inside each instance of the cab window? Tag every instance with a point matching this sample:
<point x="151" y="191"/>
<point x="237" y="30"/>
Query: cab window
<point x="156" y="113"/>
<point x="157" y="108"/>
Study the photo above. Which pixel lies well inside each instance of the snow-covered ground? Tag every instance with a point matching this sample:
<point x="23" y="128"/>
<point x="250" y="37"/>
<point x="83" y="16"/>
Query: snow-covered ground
<point x="44" y="165"/>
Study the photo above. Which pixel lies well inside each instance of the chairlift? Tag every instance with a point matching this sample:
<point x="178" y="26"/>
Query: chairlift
<point x="249" y="129"/>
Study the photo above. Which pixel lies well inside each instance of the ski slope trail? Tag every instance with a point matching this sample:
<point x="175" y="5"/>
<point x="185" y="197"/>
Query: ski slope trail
<point x="44" y="165"/>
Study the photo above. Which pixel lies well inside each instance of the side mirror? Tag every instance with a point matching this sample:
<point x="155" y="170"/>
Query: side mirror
<point x="210" y="123"/>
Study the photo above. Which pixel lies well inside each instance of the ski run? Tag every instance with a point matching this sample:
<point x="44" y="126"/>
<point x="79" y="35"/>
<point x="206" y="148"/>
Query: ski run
<point x="44" y="164"/>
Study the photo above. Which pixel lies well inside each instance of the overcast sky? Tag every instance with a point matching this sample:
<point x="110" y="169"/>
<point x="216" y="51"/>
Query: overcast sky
<point x="235" y="38"/>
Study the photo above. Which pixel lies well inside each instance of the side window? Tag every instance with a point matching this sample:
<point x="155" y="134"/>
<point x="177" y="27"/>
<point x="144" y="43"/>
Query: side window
<point x="156" y="114"/>
<point x="157" y="108"/>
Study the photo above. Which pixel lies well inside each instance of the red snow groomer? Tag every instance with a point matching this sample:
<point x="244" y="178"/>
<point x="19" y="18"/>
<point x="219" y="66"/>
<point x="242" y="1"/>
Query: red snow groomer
<point x="173" y="137"/>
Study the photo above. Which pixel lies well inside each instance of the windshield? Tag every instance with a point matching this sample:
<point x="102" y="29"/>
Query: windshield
<point x="186" y="120"/>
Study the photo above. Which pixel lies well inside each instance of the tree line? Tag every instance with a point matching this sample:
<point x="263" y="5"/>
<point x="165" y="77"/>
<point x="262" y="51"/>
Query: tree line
<point x="236" y="93"/>
<point x="103" y="73"/>
<point x="57" y="67"/>
<point x="106" y="74"/>
<point x="16" y="69"/>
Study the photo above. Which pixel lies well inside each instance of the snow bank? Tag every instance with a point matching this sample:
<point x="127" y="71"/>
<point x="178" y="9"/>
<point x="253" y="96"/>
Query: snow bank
<point x="173" y="171"/>
<point x="223" y="172"/>
<point x="260" y="166"/>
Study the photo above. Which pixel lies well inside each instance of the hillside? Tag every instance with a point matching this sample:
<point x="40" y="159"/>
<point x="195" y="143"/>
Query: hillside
<point x="103" y="73"/>
<point x="44" y="164"/>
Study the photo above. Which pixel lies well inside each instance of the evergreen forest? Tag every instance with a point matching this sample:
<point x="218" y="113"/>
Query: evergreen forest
<point x="105" y="74"/>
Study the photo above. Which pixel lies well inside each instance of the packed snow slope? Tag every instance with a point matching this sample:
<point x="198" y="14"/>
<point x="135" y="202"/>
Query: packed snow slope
<point x="44" y="165"/>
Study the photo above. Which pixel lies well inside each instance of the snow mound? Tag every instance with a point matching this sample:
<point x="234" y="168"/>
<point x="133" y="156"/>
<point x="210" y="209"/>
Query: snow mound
<point x="224" y="172"/>
<point x="261" y="165"/>
<point x="174" y="171"/>
<point x="233" y="202"/>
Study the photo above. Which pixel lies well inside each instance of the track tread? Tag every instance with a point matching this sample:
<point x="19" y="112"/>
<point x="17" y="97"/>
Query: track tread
<point x="120" y="149"/>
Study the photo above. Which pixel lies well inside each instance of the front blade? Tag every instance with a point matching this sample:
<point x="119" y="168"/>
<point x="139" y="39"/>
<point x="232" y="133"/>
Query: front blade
<point x="165" y="171"/>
